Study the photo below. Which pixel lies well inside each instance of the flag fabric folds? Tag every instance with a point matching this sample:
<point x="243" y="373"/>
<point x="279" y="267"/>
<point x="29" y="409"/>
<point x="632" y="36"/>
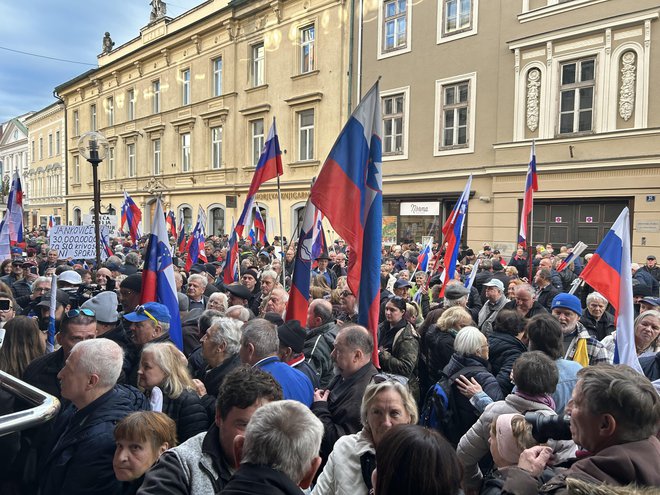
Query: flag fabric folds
<point x="260" y="227"/>
<point x="11" y="227"/>
<point x="608" y="272"/>
<point x="469" y="282"/>
<point x="577" y="251"/>
<point x="425" y="256"/>
<point x="268" y="167"/>
<point x="309" y="248"/>
<point x="105" y="243"/>
<point x="452" y="231"/>
<point x="230" y="270"/>
<point x="171" y="224"/>
<point x="196" y="243"/>
<point x="131" y="215"/>
<point x="158" y="276"/>
<point x="531" y="186"/>
<point x="348" y="191"/>
<point x="181" y="239"/>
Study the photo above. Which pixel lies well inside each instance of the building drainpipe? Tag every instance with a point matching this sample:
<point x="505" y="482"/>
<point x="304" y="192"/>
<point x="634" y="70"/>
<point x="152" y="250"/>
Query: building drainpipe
<point x="65" y="142"/>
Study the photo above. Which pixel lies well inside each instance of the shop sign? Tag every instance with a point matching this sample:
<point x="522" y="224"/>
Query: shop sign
<point x="424" y="208"/>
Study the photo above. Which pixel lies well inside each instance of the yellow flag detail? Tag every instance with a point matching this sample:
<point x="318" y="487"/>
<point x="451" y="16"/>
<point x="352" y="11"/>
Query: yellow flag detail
<point x="581" y="356"/>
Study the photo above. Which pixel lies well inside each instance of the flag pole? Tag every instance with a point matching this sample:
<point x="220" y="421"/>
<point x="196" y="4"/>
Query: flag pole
<point x="279" y="206"/>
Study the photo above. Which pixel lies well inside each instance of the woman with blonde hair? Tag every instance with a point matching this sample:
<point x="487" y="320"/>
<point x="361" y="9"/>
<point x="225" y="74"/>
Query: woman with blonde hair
<point x="165" y="379"/>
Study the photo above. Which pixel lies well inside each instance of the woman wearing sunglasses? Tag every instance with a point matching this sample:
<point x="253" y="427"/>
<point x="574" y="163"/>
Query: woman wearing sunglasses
<point x="399" y="344"/>
<point x="164" y="377"/>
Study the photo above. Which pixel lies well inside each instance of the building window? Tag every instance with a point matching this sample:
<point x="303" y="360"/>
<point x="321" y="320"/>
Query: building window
<point x="50" y="145"/>
<point x="92" y="117"/>
<point x="395" y="25"/>
<point x="576" y="98"/>
<point x="217" y="77"/>
<point x="58" y="144"/>
<point x="34" y="154"/>
<point x="307" y="52"/>
<point x="110" y="102"/>
<point x="217" y="221"/>
<point x="257" y="127"/>
<point x="258" y="53"/>
<point x="156" y="148"/>
<point x="458" y="15"/>
<point x="216" y="148"/>
<point x="455" y="110"/>
<point x="77" y="216"/>
<point x="111" y="163"/>
<point x="41" y="148"/>
<point x="185" y="152"/>
<point x="131" y="104"/>
<point x="76" y="123"/>
<point x="393" y="122"/>
<point x="186" y="214"/>
<point x="185" y="87"/>
<point x="155" y="97"/>
<point x="306" y="135"/>
<point x="132" y="165"/>
<point x="76" y="169"/>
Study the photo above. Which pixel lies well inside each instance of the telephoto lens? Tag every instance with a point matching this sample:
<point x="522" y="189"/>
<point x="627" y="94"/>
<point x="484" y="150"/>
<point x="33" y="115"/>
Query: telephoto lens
<point x="546" y="427"/>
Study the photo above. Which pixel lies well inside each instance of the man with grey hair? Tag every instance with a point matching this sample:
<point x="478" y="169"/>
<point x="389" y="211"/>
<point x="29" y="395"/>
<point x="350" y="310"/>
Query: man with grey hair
<point x="595" y="317"/>
<point x="320" y="339"/>
<point x="524" y="302"/>
<point x="277" y="301"/>
<point x="259" y="348"/>
<point x="495" y="301"/>
<point x="456" y="294"/>
<point x="278" y="452"/>
<point x="80" y="449"/>
<point x="237" y="312"/>
<point x="196" y="286"/>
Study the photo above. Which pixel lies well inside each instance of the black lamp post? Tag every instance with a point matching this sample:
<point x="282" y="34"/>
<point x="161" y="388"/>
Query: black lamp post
<point x="94" y="147"/>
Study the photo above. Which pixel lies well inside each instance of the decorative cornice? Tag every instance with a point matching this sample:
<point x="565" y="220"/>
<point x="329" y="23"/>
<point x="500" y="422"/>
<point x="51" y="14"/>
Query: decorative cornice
<point x="220" y="113"/>
<point x="304" y="99"/>
<point x="197" y="41"/>
<point x="263" y="108"/>
<point x="186" y="121"/>
<point x="138" y="66"/>
<point x="166" y="55"/>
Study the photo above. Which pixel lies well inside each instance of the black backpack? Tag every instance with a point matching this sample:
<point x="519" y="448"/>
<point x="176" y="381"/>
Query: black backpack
<point x="439" y="410"/>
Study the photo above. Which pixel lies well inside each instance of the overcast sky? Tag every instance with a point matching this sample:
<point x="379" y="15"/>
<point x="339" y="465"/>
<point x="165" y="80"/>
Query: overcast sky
<point x="63" y="29"/>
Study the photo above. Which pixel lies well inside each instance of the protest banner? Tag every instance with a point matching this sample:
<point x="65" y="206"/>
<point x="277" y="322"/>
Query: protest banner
<point x="75" y="241"/>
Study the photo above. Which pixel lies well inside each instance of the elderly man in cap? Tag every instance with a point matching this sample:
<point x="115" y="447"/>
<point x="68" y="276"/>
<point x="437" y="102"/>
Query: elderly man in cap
<point x="130" y="292"/>
<point x="16" y="273"/>
<point x="322" y="269"/>
<point x="649" y="303"/>
<point x="250" y="279"/>
<point x="238" y="295"/>
<point x="653" y="269"/>
<point x="292" y="343"/>
<point x="578" y="344"/>
<point x="402" y="288"/>
<point x="495" y="301"/>
<point x="456" y="294"/>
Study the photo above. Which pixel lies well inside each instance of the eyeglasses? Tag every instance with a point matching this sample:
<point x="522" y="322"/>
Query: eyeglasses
<point x="79" y="311"/>
<point x="40" y="289"/>
<point x="389" y="377"/>
<point x="141" y="311"/>
<point x="346" y="293"/>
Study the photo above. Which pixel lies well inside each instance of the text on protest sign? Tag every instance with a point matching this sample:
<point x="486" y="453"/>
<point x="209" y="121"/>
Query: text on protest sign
<point x="75" y="241"/>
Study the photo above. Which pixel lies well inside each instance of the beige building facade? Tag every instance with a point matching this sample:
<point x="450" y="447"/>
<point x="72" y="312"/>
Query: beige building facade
<point x="467" y="85"/>
<point x="45" y="177"/>
<point x="187" y="106"/>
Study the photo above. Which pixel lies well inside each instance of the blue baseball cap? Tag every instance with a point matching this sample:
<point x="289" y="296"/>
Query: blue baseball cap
<point x="149" y="311"/>
<point x="567" y="301"/>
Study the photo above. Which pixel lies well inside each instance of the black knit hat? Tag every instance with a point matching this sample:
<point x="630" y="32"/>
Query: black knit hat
<point x="292" y="335"/>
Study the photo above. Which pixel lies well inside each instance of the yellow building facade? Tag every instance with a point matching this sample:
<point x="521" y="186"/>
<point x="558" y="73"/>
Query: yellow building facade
<point x="187" y="105"/>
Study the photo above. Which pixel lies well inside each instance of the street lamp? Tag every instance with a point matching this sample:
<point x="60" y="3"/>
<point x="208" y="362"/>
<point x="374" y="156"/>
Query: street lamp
<point x="94" y="147"/>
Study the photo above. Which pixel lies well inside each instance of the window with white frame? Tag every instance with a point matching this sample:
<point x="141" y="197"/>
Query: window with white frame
<point x="132" y="164"/>
<point x="41" y="148"/>
<point x="76" y="123"/>
<point x="111" y="163"/>
<point x="307" y="51"/>
<point x="185" y="87"/>
<point x="257" y="133"/>
<point x="217" y="76"/>
<point x="76" y="169"/>
<point x="306" y="135"/>
<point x="185" y="152"/>
<point x="155" y="96"/>
<point x="58" y="143"/>
<point x="34" y="155"/>
<point x="258" y="61"/>
<point x="216" y="148"/>
<point x="395" y="25"/>
<point x="576" y="96"/>
<point x="130" y="107"/>
<point x="156" y="156"/>
<point x="50" y="145"/>
<point x="457" y="15"/>
<point x="393" y="112"/>
<point x="92" y="117"/>
<point x="455" y="111"/>
<point x="110" y="109"/>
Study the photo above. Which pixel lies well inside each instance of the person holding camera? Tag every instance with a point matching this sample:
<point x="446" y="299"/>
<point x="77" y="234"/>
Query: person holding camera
<point x="614" y="416"/>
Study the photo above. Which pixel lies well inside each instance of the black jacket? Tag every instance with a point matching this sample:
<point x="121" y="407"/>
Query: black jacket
<point x="42" y="372"/>
<point x="436" y="350"/>
<point x="536" y="309"/>
<point x="601" y="328"/>
<point x="651" y="366"/>
<point x="546" y="295"/>
<point x="504" y="349"/>
<point x="252" y="479"/>
<point x="188" y="413"/>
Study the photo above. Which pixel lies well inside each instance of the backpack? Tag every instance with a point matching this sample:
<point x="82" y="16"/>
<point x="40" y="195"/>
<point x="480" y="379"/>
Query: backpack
<point x="439" y="410"/>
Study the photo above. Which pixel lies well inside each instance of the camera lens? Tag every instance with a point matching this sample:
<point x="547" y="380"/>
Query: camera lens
<point x="549" y="427"/>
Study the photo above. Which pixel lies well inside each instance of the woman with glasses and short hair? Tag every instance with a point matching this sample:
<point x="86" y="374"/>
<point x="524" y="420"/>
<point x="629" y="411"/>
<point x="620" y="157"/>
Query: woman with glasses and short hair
<point x="386" y="403"/>
<point x="398" y="344"/>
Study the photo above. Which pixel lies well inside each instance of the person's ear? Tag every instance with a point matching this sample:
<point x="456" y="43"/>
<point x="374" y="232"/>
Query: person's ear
<point x="163" y="448"/>
<point x="92" y="380"/>
<point x="607" y="425"/>
<point x="306" y="482"/>
<point x="239" y="442"/>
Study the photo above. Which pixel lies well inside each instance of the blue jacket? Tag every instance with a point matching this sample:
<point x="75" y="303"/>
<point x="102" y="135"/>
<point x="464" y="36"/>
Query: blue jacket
<point x="80" y="459"/>
<point x="295" y="385"/>
<point x="567" y="380"/>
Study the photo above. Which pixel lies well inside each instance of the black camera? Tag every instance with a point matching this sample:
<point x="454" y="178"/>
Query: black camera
<point x="546" y="427"/>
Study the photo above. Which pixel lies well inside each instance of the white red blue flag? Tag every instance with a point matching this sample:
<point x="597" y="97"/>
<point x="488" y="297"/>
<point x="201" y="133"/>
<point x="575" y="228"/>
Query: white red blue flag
<point x="469" y="282"/>
<point x="531" y="186"/>
<point x="158" y="275"/>
<point x="230" y="270"/>
<point x="309" y="248"/>
<point x="608" y="272"/>
<point x="11" y="227"/>
<point x="252" y="237"/>
<point x="577" y="251"/>
<point x="260" y="227"/>
<point x="51" y="222"/>
<point x="105" y="243"/>
<point x="196" y="243"/>
<point x="425" y="256"/>
<point x="452" y="231"/>
<point x="268" y="167"/>
<point x="131" y="215"/>
<point x="171" y="223"/>
<point x="349" y="192"/>
<point x="181" y="239"/>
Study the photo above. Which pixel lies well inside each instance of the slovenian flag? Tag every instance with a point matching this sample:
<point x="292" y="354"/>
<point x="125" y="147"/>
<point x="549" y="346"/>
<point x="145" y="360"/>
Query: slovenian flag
<point x="531" y="186"/>
<point x="131" y="215"/>
<point x="425" y="256"/>
<point x="349" y="192"/>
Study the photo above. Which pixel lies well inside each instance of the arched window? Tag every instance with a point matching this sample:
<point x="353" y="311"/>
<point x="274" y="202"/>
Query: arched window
<point x="186" y="213"/>
<point x="77" y="216"/>
<point x="297" y="216"/>
<point x="216" y="221"/>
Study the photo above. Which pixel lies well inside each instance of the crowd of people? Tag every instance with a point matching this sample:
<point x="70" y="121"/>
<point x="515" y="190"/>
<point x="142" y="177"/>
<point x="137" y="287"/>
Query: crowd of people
<point x="255" y="404"/>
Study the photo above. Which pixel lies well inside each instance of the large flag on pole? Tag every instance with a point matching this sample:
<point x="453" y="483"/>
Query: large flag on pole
<point x="11" y="228"/>
<point x="309" y="248"/>
<point x="196" y="244"/>
<point x="608" y="272"/>
<point x="158" y="276"/>
<point x="230" y="270"/>
<point x="349" y="192"/>
<point x="531" y="186"/>
<point x="268" y="167"/>
<point x="131" y="215"/>
<point x="452" y="231"/>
